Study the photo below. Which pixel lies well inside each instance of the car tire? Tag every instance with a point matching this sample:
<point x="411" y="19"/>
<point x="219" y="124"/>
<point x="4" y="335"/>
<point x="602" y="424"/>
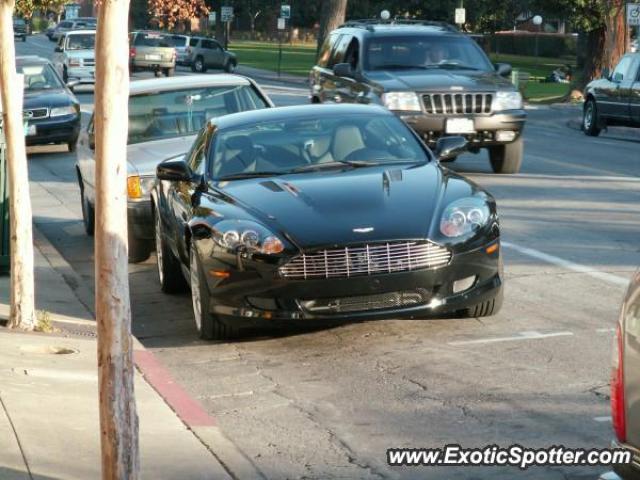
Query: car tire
<point x="24" y="38"/>
<point x="199" y="65"/>
<point x="72" y="144"/>
<point x="169" y="72"/>
<point x="139" y="248"/>
<point x="88" y="212"/>
<point x="210" y="327"/>
<point x="157" y="73"/>
<point x="169" y="270"/>
<point x="230" y="66"/>
<point x="590" y="120"/>
<point x="507" y="159"/>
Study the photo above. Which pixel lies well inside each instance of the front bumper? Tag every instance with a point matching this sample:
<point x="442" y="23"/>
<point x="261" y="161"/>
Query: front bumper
<point x="83" y="74"/>
<point x="635" y="463"/>
<point x="140" y="219"/>
<point x="54" y="130"/>
<point x="151" y="64"/>
<point x="432" y="127"/>
<point x="264" y="295"/>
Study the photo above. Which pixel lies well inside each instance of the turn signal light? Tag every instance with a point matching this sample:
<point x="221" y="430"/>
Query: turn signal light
<point x="134" y="189"/>
<point x="492" y="248"/>
<point x="219" y="273"/>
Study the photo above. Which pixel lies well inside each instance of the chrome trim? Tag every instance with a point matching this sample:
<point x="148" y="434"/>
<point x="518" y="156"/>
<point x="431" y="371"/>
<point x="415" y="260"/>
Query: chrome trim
<point x="447" y="103"/>
<point x="368" y="259"/>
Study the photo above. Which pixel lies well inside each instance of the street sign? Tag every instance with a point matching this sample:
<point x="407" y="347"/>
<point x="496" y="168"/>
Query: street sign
<point x="212" y="18"/>
<point x="282" y="23"/>
<point x="285" y="11"/>
<point x="226" y="14"/>
<point x="461" y="16"/>
<point x="633" y="14"/>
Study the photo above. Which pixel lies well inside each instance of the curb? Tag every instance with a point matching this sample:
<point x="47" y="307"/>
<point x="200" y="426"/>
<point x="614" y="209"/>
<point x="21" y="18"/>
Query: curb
<point x="188" y="409"/>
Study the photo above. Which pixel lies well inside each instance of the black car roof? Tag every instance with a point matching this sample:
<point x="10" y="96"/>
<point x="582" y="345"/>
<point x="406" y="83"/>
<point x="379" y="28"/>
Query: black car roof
<point x="291" y="113"/>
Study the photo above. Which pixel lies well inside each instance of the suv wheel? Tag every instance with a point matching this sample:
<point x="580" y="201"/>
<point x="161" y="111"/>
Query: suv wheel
<point x="199" y="66"/>
<point x="230" y="66"/>
<point x="507" y="158"/>
<point x="590" y="120"/>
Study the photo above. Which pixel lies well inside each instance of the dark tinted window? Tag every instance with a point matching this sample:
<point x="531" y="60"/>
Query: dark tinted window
<point x="193" y="42"/>
<point x="325" y="50"/>
<point x="210" y="44"/>
<point x="152" y="40"/>
<point x="337" y="55"/>
<point x="179" y="40"/>
<point x="428" y="51"/>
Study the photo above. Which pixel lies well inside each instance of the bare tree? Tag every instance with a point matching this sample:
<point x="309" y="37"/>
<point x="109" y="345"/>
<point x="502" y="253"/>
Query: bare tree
<point x="21" y="244"/>
<point x="118" y="417"/>
<point x="332" y="14"/>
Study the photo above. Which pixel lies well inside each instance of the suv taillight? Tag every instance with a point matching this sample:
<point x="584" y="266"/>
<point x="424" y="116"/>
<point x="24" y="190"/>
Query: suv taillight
<point x="132" y="52"/>
<point x="617" y="388"/>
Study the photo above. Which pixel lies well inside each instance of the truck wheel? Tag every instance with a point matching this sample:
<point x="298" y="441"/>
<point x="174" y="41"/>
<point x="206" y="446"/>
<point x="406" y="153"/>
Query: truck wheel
<point x="507" y="158"/>
<point x="169" y="72"/>
<point x="139" y="249"/>
<point x="590" y="120"/>
<point x="88" y="212"/>
<point x="157" y="73"/>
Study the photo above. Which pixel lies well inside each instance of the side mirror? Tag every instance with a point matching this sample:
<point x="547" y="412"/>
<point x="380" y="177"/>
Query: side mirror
<point x="618" y="77"/>
<point x="605" y="73"/>
<point x="503" y="69"/>
<point x="174" y="170"/>
<point x="450" y="147"/>
<point x="71" y="84"/>
<point x="58" y="49"/>
<point x="343" y="70"/>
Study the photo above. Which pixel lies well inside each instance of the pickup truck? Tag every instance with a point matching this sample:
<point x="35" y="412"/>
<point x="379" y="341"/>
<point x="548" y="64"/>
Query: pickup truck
<point x="614" y="99"/>
<point x="74" y="56"/>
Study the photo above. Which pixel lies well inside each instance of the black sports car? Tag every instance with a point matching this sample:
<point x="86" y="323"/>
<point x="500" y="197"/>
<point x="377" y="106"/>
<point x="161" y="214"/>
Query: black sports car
<point x="323" y="212"/>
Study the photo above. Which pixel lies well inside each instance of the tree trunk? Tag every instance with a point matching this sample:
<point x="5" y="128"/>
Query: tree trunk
<point x="118" y="418"/>
<point x="22" y="313"/>
<point x="332" y="14"/>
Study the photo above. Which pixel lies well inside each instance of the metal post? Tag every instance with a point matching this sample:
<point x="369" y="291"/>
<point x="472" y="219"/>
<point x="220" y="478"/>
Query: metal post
<point x="279" y="51"/>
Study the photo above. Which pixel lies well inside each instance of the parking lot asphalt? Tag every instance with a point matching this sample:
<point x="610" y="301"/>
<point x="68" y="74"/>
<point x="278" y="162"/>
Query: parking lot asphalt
<point x="328" y="403"/>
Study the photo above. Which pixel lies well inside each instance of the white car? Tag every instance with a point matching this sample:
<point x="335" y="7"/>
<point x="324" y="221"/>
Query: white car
<point x="74" y="56"/>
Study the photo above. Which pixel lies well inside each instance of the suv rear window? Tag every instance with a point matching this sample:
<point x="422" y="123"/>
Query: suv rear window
<point x="193" y="42"/>
<point x="179" y="40"/>
<point x="152" y="40"/>
<point x="425" y="52"/>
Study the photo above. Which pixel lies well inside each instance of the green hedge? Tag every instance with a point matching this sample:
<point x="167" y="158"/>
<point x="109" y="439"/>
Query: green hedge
<point x="525" y="44"/>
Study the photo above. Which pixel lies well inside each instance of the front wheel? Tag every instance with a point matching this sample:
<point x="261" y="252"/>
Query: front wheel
<point x="157" y="73"/>
<point x="209" y="326"/>
<point x="590" y="120"/>
<point x="139" y="249"/>
<point x="507" y="158"/>
<point x="88" y="213"/>
<point x="199" y="66"/>
<point x="230" y="67"/>
<point x="169" y="270"/>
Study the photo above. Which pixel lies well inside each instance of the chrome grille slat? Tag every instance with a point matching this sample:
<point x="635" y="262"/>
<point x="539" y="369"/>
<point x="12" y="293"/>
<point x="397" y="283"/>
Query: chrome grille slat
<point x="366" y="260"/>
<point x="458" y="103"/>
<point x="34" y="113"/>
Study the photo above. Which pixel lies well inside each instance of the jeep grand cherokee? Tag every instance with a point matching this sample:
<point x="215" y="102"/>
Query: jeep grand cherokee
<point x="438" y="80"/>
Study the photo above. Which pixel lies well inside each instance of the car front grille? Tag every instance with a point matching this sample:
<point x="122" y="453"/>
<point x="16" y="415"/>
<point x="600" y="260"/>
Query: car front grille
<point x="457" y="103"/>
<point x="365" y="303"/>
<point x="366" y="260"/>
<point x="36" y="113"/>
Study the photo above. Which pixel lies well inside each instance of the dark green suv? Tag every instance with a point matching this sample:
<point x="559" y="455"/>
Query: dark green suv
<point x="438" y="80"/>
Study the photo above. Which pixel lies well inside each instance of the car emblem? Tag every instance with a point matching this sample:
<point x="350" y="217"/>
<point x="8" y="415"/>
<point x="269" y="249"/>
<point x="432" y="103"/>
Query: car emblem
<point x="28" y="114"/>
<point x="363" y="230"/>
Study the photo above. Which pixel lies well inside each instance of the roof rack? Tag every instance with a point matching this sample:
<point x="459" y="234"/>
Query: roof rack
<point x="369" y="23"/>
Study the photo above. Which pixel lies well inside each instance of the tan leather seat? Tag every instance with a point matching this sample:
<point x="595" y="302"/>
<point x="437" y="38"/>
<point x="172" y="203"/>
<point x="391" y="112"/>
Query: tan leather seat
<point x="346" y="140"/>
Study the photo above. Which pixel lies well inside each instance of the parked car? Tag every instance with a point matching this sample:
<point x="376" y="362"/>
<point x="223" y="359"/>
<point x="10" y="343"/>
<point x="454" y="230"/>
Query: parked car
<point x="20" y="29"/>
<point x="152" y="51"/>
<point x="80" y="23"/>
<point x="164" y="117"/>
<point x="255" y="215"/>
<point x="74" y="56"/>
<point x="625" y="384"/>
<point x="181" y="44"/>
<point x="204" y="53"/>
<point x="51" y="110"/>
<point x="438" y="80"/>
<point x="614" y="99"/>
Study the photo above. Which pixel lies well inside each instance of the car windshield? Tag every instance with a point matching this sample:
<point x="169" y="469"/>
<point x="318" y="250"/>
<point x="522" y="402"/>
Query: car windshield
<point x="81" y="42"/>
<point x="152" y="40"/>
<point x="314" y="144"/>
<point x="177" y="113"/>
<point x="425" y="52"/>
<point x="19" y="22"/>
<point x="39" y="77"/>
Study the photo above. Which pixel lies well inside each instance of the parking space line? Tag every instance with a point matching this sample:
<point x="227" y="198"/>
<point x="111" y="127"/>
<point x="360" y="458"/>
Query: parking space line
<point x="605" y="330"/>
<point x="602" y="419"/>
<point x="560" y="262"/>
<point x="521" y="336"/>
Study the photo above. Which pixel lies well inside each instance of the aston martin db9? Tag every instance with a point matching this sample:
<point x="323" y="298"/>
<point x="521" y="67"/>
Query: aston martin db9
<point x="317" y="213"/>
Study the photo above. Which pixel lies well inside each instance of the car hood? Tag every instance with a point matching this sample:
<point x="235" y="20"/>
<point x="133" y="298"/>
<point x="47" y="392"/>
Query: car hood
<point x="47" y="98"/>
<point x="144" y="157"/>
<point x="350" y="207"/>
<point x="438" y="80"/>
<point x="83" y="54"/>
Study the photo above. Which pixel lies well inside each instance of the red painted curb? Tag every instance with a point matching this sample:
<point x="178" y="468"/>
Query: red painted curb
<point x="187" y="408"/>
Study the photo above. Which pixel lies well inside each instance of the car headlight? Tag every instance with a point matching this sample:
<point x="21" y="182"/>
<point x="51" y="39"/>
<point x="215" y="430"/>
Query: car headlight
<point x="507" y="101"/>
<point x="139" y="188"/>
<point x="234" y="234"/>
<point x="463" y="217"/>
<point x="407" y="101"/>
<point x="62" y="111"/>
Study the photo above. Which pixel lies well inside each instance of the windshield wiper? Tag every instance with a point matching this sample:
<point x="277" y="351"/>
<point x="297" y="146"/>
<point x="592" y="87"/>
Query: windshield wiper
<point x="241" y="175"/>
<point x="331" y="165"/>
<point x="452" y="65"/>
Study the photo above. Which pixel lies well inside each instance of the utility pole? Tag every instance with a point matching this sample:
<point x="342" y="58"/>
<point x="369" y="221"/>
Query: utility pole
<point x="118" y="417"/>
<point x="22" y="299"/>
